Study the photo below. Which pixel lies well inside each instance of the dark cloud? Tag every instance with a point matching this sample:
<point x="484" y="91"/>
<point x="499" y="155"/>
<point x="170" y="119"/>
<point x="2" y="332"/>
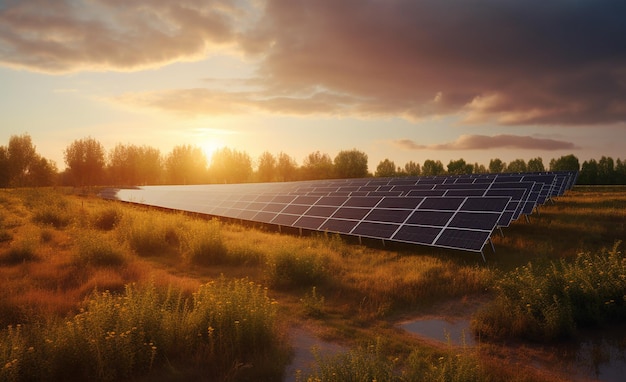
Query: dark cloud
<point x="68" y="35"/>
<point x="484" y="142"/>
<point x="513" y="62"/>
<point x="558" y="62"/>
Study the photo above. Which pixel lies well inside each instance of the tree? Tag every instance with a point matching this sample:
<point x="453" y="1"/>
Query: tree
<point x="536" y="165"/>
<point x="412" y="169"/>
<point x="432" y="168"/>
<point x="286" y="168"/>
<point x="85" y="162"/>
<point x="588" y="172"/>
<point x="186" y="164"/>
<point x="21" y="156"/>
<point x="230" y="166"/>
<point x="351" y="164"/>
<point x="5" y="172"/>
<point x="518" y="165"/>
<point x="43" y="172"/>
<point x="132" y="165"/>
<point x="606" y="170"/>
<point x="620" y="171"/>
<point x="565" y="163"/>
<point x="317" y="166"/>
<point x="496" y="166"/>
<point x="479" y="169"/>
<point x="458" y="167"/>
<point x="266" y="171"/>
<point x="385" y="168"/>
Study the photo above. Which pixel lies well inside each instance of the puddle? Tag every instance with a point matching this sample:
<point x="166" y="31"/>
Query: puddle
<point x="595" y="356"/>
<point x="454" y="332"/>
<point x="303" y="342"/>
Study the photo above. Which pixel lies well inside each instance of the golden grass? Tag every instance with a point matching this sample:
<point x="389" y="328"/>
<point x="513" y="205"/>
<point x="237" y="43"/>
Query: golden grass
<point x="363" y="287"/>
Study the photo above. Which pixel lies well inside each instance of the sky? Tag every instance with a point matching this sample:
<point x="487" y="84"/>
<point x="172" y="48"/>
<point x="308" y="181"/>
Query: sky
<point x="405" y="80"/>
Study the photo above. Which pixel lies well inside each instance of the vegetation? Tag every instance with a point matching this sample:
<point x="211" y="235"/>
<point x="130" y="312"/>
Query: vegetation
<point x="544" y="303"/>
<point x="115" y="289"/>
<point x="88" y="164"/>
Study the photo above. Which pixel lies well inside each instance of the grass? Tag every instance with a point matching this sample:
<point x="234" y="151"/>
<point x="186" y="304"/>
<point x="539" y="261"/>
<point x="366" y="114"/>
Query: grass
<point x="550" y="302"/>
<point x="167" y="273"/>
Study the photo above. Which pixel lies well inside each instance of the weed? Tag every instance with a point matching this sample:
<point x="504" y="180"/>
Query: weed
<point x="203" y="244"/>
<point x="21" y="252"/>
<point x="545" y="303"/>
<point x="107" y="218"/>
<point x="97" y="249"/>
<point x="313" y="304"/>
<point x="296" y="267"/>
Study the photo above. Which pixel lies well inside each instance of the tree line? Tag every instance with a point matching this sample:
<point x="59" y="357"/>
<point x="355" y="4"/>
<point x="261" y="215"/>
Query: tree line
<point x="89" y="164"/>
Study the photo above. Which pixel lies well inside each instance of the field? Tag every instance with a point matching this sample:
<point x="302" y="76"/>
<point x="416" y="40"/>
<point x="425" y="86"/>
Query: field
<point x="98" y="290"/>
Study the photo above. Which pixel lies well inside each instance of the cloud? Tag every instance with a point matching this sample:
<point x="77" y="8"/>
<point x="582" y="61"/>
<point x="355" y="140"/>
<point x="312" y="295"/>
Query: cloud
<point x="531" y="62"/>
<point x="72" y="35"/>
<point x="484" y="142"/>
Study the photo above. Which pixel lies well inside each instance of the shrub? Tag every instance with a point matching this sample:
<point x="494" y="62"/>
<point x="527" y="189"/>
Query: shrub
<point x="296" y="267"/>
<point x="203" y="243"/>
<point x="98" y="250"/>
<point x="313" y="303"/>
<point x="227" y="323"/>
<point x="19" y="253"/>
<point x="150" y="234"/>
<point x="545" y="303"/>
<point x="106" y="219"/>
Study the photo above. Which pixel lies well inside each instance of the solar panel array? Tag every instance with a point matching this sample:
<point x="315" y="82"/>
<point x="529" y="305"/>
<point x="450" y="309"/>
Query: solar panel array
<point x="455" y="211"/>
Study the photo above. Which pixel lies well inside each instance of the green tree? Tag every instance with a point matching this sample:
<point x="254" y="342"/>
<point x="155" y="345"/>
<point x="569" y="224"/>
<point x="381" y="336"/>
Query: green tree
<point x="459" y="166"/>
<point x="85" y="162"/>
<point x="588" y="172"/>
<point x="133" y="165"/>
<point x="496" y="166"/>
<point x="5" y="171"/>
<point x="317" y="166"/>
<point x="43" y="172"/>
<point x="186" y="164"/>
<point x="286" y="168"/>
<point x="351" y="164"/>
<point x="565" y="163"/>
<point x="21" y="155"/>
<point x="266" y="171"/>
<point x="432" y="168"/>
<point x="230" y="166"/>
<point x="412" y="169"/>
<point x="620" y="171"/>
<point x="479" y="169"/>
<point x="536" y="165"/>
<point x="385" y="168"/>
<point x="518" y="165"/>
<point x="606" y="170"/>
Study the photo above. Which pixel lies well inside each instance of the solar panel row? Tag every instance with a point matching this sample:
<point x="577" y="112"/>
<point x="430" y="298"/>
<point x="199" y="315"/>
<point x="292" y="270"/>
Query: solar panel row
<point x="458" y="212"/>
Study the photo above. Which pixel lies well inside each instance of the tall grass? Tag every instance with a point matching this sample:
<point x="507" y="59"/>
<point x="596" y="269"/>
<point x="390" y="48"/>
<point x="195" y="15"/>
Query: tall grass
<point x="551" y="302"/>
<point x="97" y="249"/>
<point x="225" y="325"/>
<point x="151" y="234"/>
<point x="202" y="243"/>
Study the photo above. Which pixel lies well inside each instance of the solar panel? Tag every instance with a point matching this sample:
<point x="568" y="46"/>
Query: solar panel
<point x="458" y="212"/>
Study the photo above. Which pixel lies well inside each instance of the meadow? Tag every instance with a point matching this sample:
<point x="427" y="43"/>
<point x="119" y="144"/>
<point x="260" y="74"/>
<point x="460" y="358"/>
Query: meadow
<point x="100" y="290"/>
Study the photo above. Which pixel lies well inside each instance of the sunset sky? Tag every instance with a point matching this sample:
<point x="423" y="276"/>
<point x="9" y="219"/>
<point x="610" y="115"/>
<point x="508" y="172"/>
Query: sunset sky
<point x="398" y="79"/>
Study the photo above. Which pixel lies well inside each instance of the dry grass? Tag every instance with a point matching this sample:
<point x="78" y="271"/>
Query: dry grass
<point x="74" y="245"/>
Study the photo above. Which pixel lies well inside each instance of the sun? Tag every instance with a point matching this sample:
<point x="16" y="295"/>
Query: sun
<point x="209" y="147"/>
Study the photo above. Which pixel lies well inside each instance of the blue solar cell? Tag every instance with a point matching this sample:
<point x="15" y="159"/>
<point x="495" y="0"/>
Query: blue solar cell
<point x="322" y="211"/>
<point x="264" y="217"/>
<point x="284" y="219"/>
<point x="273" y="207"/>
<point x="433" y="218"/>
<point x="475" y="220"/>
<point x="309" y="222"/>
<point x="362" y="201"/>
<point x="400" y="202"/>
<point x="351" y="213"/>
<point x="388" y="215"/>
<point x="295" y="209"/>
<point x="415" y="234"/>
<point x="441" y="204"/>
<point x="340" y="226"/>
<point x="485" y="204"/>
<point x="463" y="239"/>
<point x="376" y="230"/>
<point x="331" y="200"/>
